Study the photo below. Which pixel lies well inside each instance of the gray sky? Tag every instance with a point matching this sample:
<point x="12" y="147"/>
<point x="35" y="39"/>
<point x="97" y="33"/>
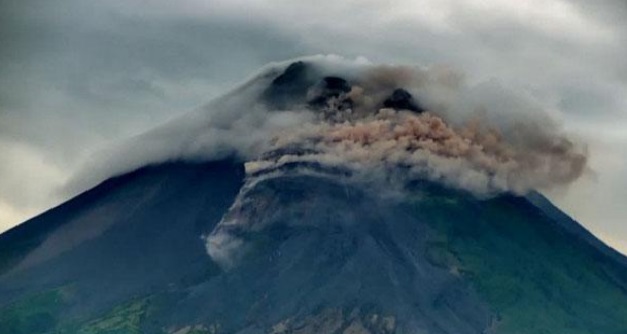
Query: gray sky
<point x="76" y="75"/>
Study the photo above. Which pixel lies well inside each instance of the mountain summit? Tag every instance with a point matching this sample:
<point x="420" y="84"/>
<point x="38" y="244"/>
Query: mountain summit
<point x="321" y="196"/>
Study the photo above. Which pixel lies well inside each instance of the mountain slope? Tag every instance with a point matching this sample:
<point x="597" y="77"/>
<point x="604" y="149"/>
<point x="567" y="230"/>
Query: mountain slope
<point x="124" y="238"/>
<point x="324" y="254"/>
<point x="536" y="274"/>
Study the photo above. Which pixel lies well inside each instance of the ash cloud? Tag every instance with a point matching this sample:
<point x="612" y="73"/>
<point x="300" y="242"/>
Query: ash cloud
<point x="409" y="146"/>
<point x="374" y="120"/>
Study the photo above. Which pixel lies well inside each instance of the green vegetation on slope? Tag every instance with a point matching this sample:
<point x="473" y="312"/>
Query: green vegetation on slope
<point x="43" y="313"/>
<point x="532" y="274"/>
<point x="36" y="313"/>
<point x="124" y="319"/>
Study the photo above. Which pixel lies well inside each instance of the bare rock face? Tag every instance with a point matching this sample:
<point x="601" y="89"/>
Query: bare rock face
<point x="290" y="88"/>
<point x="301" y="83"/>
<point x="402" y="100"/>
<point x="322" y="94"/>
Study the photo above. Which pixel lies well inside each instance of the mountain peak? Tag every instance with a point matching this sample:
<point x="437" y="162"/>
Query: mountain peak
<point x="322" y="196"/>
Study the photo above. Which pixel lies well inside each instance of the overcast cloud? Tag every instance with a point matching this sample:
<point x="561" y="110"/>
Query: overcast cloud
<point x="79" y="75"/>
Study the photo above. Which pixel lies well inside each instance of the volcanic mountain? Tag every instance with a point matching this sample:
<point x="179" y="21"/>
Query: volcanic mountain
<point x="321" y="196"/>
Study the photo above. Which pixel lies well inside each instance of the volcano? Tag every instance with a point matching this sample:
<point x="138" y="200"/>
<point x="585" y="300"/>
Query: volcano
<point x="328" y="214"/>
